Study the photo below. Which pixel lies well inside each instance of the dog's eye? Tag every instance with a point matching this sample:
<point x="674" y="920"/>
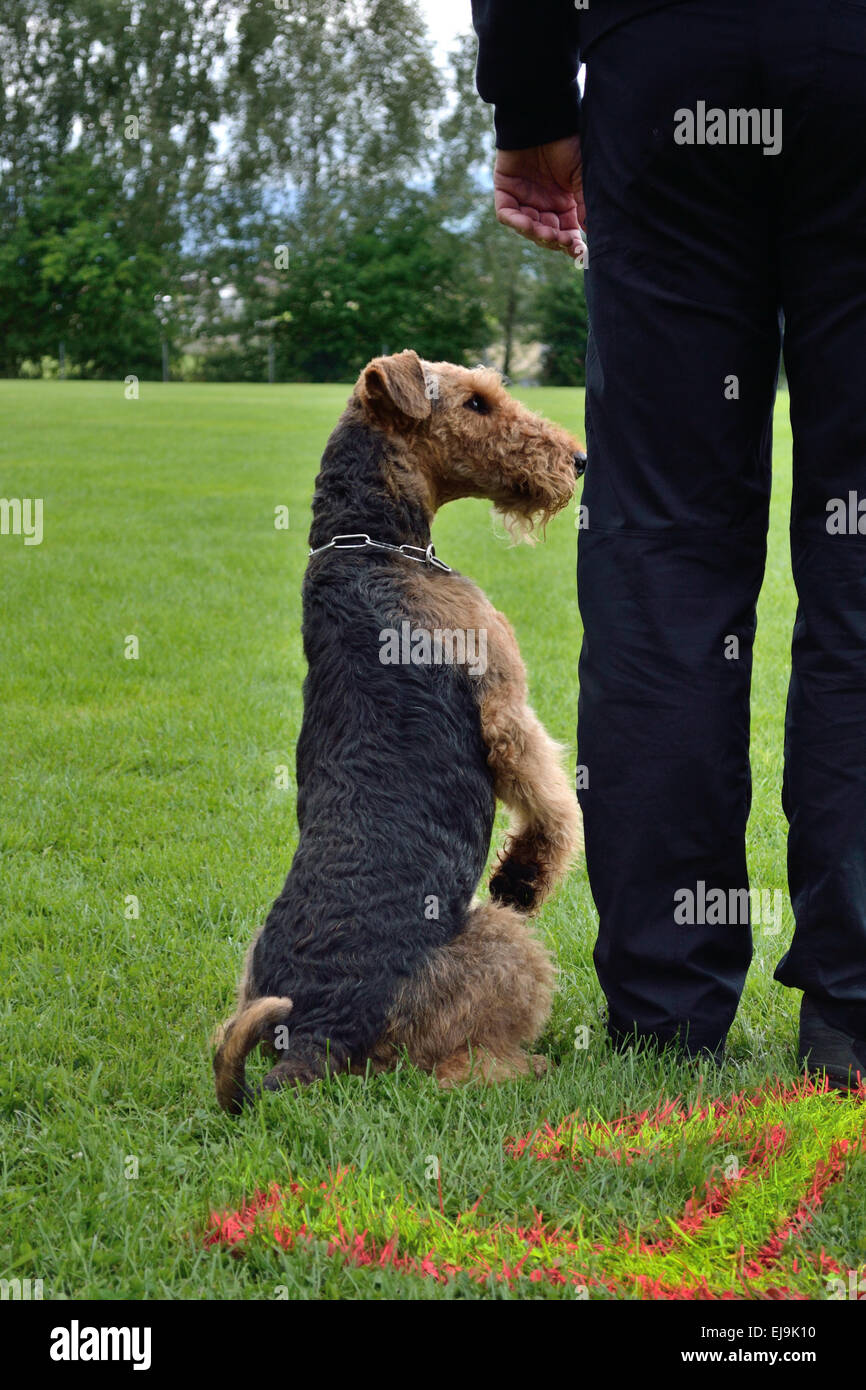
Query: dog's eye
<point x="478" y="404"/>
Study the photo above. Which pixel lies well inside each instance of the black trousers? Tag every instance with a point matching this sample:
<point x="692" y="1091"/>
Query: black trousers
<point x="699" y="252"/>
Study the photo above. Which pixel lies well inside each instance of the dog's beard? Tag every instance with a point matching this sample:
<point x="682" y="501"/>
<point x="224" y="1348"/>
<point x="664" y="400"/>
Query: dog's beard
<point x="524" y="524"/>
<point x="522" y="527"/>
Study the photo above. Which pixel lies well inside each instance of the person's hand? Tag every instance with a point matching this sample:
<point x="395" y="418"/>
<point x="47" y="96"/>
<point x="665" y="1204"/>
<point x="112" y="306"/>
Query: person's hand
<point x="539" y="193"/>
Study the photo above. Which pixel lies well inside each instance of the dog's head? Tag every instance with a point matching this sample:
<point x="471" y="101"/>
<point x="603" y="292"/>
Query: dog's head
<point x="467" y="437"/>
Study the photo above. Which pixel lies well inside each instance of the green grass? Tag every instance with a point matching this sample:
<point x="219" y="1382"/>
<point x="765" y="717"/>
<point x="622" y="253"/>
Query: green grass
<point x="155" y="778"/>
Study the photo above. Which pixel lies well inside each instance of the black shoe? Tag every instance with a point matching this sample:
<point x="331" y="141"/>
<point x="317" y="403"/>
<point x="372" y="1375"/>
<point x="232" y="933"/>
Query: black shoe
<point x="826" y="1049"/>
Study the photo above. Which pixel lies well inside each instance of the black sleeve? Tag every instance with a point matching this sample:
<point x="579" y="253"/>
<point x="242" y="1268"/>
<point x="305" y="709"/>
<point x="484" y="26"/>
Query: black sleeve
<point x="528" y="57"/>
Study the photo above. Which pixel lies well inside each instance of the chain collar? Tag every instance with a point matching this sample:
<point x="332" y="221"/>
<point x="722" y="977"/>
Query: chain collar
<point x="359" y="540"/>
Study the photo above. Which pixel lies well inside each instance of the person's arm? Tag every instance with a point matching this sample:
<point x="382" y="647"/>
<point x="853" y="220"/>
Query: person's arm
<point x="528" y="59"/>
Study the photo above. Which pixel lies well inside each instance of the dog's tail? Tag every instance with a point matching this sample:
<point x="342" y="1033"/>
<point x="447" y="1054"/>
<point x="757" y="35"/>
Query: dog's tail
<point x="239" y="1036"/>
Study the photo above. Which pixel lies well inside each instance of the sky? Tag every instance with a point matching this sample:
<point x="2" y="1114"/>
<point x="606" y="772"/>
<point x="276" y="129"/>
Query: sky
<point x="445" y="20"/>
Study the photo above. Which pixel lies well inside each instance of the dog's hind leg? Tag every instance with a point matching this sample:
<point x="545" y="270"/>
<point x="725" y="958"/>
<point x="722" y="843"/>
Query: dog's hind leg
<point x="476" y="1001"/>
<point x="304" y="1061"/>
<point x="293" y="1073"/>
<point x="469" y="1065"/>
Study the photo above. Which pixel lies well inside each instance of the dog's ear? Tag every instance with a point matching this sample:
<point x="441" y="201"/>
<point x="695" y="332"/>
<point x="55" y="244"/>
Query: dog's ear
<point x="390" y="386"/>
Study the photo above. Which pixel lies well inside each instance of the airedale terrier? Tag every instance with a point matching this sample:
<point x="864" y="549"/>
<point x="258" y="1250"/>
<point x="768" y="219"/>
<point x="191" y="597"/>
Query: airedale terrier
<point x="375" y="945"/>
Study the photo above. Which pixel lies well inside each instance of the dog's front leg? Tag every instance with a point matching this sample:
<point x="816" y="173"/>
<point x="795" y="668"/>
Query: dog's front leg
<point x="545" y="829"/>
<point x="530" y="779"/>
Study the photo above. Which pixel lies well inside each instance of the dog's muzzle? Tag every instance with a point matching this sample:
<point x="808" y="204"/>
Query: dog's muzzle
<point x="579" y="464"/>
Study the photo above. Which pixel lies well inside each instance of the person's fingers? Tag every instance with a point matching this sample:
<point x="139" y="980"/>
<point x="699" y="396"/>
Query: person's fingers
<point x="541" y="219"/>
<point x="565" y="220"/>
<point x="521" y="221"/>
<point x="576" y="247"/>
<point x="566" y="227"/>
<point x="537" y="192"/>
<point x="569" y="220"/>
<point x="531" y="227"/>
<point x="538" y="204"/>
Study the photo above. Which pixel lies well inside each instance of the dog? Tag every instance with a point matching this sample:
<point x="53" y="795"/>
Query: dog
<point x="375" y="946"/>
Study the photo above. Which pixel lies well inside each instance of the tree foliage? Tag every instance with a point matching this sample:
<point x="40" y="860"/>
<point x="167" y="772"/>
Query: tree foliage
<point x="561" y="322"/>
<point x="296" y="175"/>
<point x="74" y="269"/>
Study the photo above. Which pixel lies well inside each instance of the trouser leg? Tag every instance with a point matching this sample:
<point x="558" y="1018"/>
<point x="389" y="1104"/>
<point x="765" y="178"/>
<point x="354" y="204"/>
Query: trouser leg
<point x="681" y="370"/>
<point x="823" y="281"/>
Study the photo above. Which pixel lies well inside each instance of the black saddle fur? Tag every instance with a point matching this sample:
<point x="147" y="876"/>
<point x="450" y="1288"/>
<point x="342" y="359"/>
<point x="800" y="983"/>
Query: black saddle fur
<point x="395" y="795"/>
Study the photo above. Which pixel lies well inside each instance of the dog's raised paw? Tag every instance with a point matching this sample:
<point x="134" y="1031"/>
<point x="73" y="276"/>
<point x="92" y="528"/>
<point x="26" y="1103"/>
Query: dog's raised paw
<point x="516" y="885"/>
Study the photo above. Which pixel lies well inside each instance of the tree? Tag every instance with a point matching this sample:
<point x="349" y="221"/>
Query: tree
<point x="112" y="105"/>
<point x="333" y="104"/>
<point x="561" y="320"/>
<point x="292" y="172"/>
<point x="74" y="269"/>
<point x="132" y="82"/>
<point x="502" y="264"/>
<point x="333" y="97"/>
<point x="394" y="282"/>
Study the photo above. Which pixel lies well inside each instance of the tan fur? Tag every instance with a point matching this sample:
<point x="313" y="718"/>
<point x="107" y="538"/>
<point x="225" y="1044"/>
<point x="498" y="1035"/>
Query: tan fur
<point x="475" y="1003"/>
<point x="527" y="764"/>
<point x="239" y="1036"/>
<point x="522" y="462"/>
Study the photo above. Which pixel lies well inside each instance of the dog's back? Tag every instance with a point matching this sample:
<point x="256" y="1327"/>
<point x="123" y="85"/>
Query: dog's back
<point x="395" y="809"/>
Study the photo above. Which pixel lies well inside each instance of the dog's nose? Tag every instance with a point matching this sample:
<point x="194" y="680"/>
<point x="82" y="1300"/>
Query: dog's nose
<point x="580" y="463"/>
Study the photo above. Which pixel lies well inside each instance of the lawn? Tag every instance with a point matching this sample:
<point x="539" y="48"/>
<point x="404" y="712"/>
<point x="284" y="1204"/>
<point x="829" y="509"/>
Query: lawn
<point x="144" y="835"/>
